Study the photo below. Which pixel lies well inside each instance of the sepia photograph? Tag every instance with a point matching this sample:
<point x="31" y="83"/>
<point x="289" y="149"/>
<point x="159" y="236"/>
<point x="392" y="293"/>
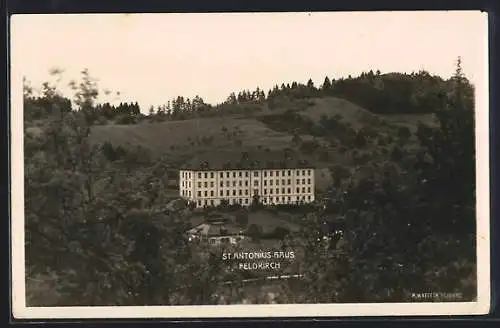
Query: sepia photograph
<point x="225" y="165"/>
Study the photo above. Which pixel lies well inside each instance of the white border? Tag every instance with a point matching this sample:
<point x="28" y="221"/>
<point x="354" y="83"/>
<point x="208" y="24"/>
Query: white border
<point x="481" y="306"/>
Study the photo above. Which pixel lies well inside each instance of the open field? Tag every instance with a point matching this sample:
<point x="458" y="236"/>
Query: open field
<point x="178" y="141"/>
<point x="410" y="120"/>
<point x="350" y="113"/>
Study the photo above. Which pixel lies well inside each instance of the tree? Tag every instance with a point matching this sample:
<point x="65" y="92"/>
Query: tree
<point x="405" y="221"/>
<point x="326" y="85"/>
<point x="254" y="231"/>
<point x="404" y="133"/>
<point x="92" y="230"/>
<point x="242" y="218"/>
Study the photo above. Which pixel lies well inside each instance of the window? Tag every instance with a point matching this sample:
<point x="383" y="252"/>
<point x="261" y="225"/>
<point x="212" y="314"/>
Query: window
<point x="289" y="181"/>
<point x="265" y="173"/>
<point x="212" y="202"/>
<point x="308" y="197"/>
<point x="298" y="189"/>
<point x="303" y="189"/>
<point x="234" y="174"/>
<point x="211" y="175"/>
<point x="277" y="190"/>
<point x="199" y="203"/>
<point x="289" y="173"/>
<point x="270" y="182"/>
<point x="265" y="182"/>
<point x="206" y="176"/>
<point x="240" y="183"/>
<point x="199" y="193"/>
<point x="239" y="192"/>
<point x="211" y="184"/>
<point x="246" y="183"/>
<point x="222" y="183"/>
<point x="256" y="174"/>
<point x="189" y="184"/>
<point x="206" y="193"/>
<point x="303" y="172"/>
<point x="303" y="181"/>
<point x="270" y="173"/>
<point x="308" y="172"/>
<point x="206" y="202"/>
<point x="199" y="184"/>
<point x="256" y="183"/>
<point x="199" y="177"/>
<point x="227" y="183"/>
<point x="246" y="200"/>
<point x="221" y="193"/>
<point x="289" y="190"/>
<point x="221" y="174"/>
<point x="277" y="173"/>
<point x="283" y="199"/>
<point x="308" y="189"/>
<point x="289" y="199"/>
<point x="227" y="174"/>
<point x="189" y="193"/>
<point x="265" y="191"/>
<point x="234" y="192"/>
<point x="256" y="191"/>
<point x="211" y="193"/>
<point x="246" y="192"/>
<point x="234" y="183"/>
<point x="298" y="172"/>
<point x="246" y="174"/>
<point x="283" y="182"/>
<point x="227" y="192"/>
<point x="270" y="191"/>
<point x="239" y="174"/>
<point x="298" y="181"/>
<point x="282" y="190"/>
<point x="277" y="182"/>
<point x="309" y="181"/>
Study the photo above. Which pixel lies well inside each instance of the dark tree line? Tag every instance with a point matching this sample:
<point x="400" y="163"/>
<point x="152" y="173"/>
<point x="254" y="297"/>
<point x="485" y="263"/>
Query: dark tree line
<point x="390" y="93"/>
<point x="393" y="93"/>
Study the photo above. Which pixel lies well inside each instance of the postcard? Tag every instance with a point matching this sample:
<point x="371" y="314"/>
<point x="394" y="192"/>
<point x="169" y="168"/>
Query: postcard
<point x="237" y="165"/>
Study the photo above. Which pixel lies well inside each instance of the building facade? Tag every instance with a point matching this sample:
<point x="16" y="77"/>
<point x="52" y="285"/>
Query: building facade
<point x="240" y="186"/>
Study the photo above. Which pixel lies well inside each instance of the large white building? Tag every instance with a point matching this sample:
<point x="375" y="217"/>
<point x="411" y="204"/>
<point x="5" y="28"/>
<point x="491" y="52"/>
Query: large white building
<point x="275" y="178"/>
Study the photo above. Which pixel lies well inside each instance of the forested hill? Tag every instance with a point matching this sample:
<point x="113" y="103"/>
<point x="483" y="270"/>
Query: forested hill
<point x="391" y="93"/>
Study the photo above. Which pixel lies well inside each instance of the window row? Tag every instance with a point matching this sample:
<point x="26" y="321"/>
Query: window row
<point x="234" y="174"/>
<point x="266" y="200"/>
<point x="245" y="192"/>
<point x="240" y="183"/>
<point x="287" y="190"/>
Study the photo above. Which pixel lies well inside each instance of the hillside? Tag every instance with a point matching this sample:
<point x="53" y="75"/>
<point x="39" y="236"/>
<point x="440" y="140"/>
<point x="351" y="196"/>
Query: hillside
<point x="299" y="127"/>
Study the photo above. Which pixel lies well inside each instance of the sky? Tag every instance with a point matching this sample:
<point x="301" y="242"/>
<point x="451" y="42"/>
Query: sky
<point x="151" y="58"/>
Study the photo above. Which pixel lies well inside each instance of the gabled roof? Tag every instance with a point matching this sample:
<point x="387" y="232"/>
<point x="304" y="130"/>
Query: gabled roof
<point x="248" y="160"/>
<point x="215" y="230"/>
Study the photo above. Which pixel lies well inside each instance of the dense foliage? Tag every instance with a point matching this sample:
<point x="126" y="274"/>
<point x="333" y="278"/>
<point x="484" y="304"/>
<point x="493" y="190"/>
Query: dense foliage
<point x="95" y="235"/>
